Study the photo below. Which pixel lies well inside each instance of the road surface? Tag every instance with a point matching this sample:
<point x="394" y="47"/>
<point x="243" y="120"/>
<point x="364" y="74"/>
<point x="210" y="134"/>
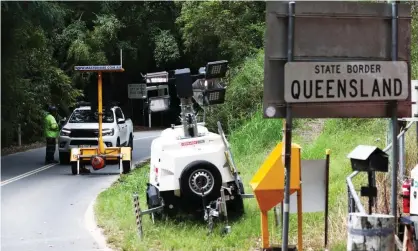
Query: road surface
<point x="45" y="207"/>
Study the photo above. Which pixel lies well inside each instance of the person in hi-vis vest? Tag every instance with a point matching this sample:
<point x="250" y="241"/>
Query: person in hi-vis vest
<point x="51" y="133"/>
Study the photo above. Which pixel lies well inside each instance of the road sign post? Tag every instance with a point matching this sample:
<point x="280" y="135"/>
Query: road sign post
<point x="394" y="105"/>
<point x="288" y="132"/>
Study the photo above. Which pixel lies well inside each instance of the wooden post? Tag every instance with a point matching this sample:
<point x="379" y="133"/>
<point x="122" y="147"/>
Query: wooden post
<point x="371" y="232"/>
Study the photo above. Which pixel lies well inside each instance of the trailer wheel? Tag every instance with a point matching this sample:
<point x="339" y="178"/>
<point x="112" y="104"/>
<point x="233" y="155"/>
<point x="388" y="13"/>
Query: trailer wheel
<point x="235" y="207"/>
<point x="64" y="158"/>
<point x="201" y="177"/>
<point x="152" y="204"/>
<point x="131" y="142"/>
<point x="74" y="167"/>
<point x="126" y="166"/>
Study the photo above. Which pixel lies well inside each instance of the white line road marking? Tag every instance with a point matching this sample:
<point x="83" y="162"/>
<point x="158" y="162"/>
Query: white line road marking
<point x="3" y="183"/>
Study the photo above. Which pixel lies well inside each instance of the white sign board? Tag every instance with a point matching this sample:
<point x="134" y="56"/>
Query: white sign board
<point x="313" y="187"/>
<point x="345" y="81"/>
<point x="137" y="91"/>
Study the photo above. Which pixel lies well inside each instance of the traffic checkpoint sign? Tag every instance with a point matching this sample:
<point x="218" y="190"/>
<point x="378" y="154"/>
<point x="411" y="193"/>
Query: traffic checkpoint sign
<point x="99" y="68"/>
<point x="318" y="82"/>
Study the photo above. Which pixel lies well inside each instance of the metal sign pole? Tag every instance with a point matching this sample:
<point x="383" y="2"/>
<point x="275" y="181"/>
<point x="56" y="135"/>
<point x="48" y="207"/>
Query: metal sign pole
<point x="288" y="132"/>
<point x="395" y="150"/>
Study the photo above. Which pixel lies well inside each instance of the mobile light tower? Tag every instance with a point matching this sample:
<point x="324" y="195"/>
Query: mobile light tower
<point x="98" y="156"/>
<point x="191" y="168"/>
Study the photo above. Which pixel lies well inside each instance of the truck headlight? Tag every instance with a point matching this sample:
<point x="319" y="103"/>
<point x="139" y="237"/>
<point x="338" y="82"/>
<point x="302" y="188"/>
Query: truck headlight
<point x="65" y="132"/>
<point x="108" y="132"/>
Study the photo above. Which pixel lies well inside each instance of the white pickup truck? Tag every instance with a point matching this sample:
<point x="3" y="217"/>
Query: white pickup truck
<point x="82" y="130"/>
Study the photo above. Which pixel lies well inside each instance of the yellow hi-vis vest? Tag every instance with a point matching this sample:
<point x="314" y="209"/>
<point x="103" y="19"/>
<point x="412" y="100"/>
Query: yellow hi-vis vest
<point x="51" y="127"/>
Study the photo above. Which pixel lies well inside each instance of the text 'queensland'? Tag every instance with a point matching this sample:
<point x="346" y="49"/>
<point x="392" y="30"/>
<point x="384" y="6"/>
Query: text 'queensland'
<point x="346" y="81"/>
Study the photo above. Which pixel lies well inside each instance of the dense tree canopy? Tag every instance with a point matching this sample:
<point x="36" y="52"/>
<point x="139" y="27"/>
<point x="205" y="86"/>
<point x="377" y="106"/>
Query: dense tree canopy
<point x="43" y="41"/>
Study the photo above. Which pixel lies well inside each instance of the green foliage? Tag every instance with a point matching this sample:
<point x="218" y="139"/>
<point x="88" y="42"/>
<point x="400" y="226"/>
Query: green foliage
<point x="43" y="41"/>
<point x="222" y="29"/>
<point x="31" y="77"/>
<point x="166" y="48"/>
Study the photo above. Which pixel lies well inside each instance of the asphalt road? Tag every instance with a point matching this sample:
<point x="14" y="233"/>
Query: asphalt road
<point x="46" y="209"/>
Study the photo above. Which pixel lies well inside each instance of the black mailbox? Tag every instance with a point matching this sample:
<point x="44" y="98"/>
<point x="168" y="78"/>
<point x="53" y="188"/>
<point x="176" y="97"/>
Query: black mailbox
<point x="368" y="158"/>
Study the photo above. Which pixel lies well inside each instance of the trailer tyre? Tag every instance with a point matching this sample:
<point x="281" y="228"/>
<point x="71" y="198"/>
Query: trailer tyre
<point x="64" y="158"/>
<point x="156" y="215"/>
<point x="235" y="207"/>
<point x="74" y="168"/>
<point x="126" y="166"/>
<point x="198" y="176"/>
<point x="131" y="142"/>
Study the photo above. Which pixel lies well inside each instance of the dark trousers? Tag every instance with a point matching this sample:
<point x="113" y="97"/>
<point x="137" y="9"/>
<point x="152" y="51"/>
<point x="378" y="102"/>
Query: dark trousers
<point x="50" y="149"/>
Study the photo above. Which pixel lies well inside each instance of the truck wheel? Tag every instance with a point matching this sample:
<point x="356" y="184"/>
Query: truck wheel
<point x="64" y="158"/>
<point x="201" y="177"/>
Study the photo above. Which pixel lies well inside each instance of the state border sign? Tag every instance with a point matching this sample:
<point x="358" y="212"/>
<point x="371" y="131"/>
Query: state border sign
<point x="345" y="81"/>
<point x="336" y="31"/>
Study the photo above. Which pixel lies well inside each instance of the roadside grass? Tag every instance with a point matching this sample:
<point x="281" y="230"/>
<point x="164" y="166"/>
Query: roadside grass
<point x="341" y="136"/>
<point x="251" y="143"/>
<point x="115" y="214"/>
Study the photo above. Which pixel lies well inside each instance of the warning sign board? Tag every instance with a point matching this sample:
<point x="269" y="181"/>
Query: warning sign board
<point x="137" y="91"/>
<point x="345" y="81"/>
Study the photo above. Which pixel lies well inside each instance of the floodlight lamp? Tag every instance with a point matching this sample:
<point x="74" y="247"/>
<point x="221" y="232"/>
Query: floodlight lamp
<point x="216" y="69"/>
<point x="214" y="96"/>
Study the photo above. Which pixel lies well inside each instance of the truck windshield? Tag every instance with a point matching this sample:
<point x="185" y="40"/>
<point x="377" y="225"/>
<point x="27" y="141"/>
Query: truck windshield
<point x="87" y="116"/>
